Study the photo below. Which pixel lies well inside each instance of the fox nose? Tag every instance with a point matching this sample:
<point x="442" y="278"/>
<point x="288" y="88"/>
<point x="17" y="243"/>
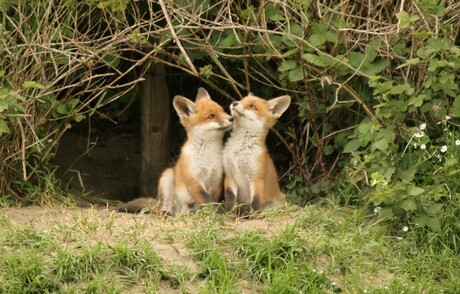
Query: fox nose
<point x="235" y="103"/>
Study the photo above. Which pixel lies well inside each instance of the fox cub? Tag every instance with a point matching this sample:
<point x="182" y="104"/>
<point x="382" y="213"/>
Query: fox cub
<point x="197" y="176"/>
<point x="250" y="175"/>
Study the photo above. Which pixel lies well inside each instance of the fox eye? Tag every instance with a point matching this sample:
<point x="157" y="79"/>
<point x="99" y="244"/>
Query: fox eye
<point x="211" y="116"/>
<point x="253" y="107"/>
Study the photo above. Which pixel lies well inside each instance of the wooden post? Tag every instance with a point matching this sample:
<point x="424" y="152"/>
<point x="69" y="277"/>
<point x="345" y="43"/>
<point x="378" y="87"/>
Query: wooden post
<point x="155" y="129"/>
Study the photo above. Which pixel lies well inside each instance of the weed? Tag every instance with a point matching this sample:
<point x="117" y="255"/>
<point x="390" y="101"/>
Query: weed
<point x="25" y="272"/>
<point x="72" y="266"/>
<point x="135" y="264"/>
<point x="30" y="238"/>
<point x="220" y="272"/>
<point x="323" y="249"/>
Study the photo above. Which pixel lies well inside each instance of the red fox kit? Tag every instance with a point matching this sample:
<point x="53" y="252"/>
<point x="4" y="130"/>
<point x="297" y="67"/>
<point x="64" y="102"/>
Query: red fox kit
<point x="197" y="176"/>
<point x="250" y="175"/>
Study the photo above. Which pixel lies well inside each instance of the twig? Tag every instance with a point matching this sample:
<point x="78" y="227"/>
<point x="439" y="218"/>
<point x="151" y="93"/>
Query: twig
<point x="23" y="150"/>
<point x="176" y="39"/>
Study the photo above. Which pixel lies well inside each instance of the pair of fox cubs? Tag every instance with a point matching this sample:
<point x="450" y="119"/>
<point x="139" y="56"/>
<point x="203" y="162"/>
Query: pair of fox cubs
<point x="243" y="164"/>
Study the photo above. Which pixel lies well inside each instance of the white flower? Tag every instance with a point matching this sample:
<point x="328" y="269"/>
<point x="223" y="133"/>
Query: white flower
<point x="405" y="229"/>
<point x="457" y="142"/>
<point x="444" y="148"/>
<point x="422" y="126"/>
<point x="377" y="210"/>
<point x="423" y="146"/>
<point x="419" y="134"/>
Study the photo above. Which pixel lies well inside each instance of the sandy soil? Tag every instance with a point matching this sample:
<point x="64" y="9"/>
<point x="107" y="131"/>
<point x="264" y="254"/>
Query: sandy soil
<point x="103" y="224"/>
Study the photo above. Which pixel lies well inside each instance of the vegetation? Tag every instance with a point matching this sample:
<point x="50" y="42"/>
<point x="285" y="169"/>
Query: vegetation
<point x="316" y="249"/>
<point x="375" y="126"/>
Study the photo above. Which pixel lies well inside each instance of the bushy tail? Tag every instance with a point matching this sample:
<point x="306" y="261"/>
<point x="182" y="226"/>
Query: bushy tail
<point x="138" y="205"/>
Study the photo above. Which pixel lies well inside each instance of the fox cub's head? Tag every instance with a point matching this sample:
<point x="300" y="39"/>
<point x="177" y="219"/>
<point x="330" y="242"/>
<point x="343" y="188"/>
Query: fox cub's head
<point x="256" y="114"/>
<point x="204" y="116"/>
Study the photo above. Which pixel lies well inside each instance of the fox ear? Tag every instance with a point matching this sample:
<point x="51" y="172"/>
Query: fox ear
<point x="183" y="106"/>
<point x="279" y="105"/>
<point x="202" y="94"/>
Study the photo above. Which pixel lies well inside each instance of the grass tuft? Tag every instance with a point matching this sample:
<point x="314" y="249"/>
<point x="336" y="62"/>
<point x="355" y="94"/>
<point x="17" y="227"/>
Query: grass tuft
<point x="321" y="248"/>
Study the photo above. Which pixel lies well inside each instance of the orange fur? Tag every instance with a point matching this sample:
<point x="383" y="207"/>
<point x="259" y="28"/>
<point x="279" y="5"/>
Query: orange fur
<point x="250" y="175"/>
<point x="197" y="176"/>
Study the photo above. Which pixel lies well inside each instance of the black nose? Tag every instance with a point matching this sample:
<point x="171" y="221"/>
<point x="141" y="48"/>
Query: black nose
<point x="235" y="103"/>
<point x="231" y="119"/>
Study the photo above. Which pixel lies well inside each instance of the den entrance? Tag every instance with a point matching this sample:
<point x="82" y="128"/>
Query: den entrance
<point x="121" y="157"/>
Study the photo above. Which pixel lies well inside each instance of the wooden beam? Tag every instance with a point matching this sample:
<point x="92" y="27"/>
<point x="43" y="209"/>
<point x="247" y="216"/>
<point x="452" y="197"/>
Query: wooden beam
<point x="155" y="129"/>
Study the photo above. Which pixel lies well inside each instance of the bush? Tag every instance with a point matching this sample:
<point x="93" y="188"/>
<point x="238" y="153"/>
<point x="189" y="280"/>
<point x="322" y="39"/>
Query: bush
<point x="60" y="62"/>
<point x="366" y="79"/>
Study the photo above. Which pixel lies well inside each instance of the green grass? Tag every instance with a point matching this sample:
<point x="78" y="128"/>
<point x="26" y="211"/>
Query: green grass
<point x="316" y="249"/>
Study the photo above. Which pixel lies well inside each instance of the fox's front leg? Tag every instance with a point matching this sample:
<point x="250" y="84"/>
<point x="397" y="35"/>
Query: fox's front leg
<point x="230" y="193"/>
<point x="167" y="192"/>
<point x="256" y="190"/>
<point x="199" y="195"/>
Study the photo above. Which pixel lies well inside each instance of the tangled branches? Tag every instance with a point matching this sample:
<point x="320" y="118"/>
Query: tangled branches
<point x="63" y="60"/>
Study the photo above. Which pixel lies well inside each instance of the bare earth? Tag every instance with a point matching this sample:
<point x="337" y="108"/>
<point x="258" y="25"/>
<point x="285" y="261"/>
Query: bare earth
<point x="167" y="235"/>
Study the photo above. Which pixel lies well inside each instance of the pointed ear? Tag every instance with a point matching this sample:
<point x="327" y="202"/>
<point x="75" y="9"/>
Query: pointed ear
<point x="183" y="106"/>
<point x="279" y="105"/>
<point x="202" y="94"/>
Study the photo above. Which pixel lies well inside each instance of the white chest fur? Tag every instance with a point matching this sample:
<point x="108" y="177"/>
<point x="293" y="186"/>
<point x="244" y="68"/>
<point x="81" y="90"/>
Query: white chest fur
<point x="206" y="163"/>
<point x="241" y="160"/>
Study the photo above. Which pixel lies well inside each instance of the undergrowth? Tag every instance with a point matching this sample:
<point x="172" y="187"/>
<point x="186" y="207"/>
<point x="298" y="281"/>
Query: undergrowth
<point x="321" y="248"/>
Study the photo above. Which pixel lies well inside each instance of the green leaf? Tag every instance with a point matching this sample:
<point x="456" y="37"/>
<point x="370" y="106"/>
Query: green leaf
<point x="79" y="117"/>
<point x="112" y="59"/>
<point x="292" y="34"/>
<point x="411" y="61"/>
<point x="434" y="208"/>
<point x="67" y="108"/>
<point x="418" y="100"/>
<point x="434" y="224"/>
<point x="381" y="144"/>
<point x="376" y="67"/>
<point x="404" y="19"/>
<point x="290" y="52"/>
<point x="328" y="150"/>
<point x="365" y="127"/>
<point x="273" y="13"/>
<point x="32" y="85"/>
<point x="430" y="222"/>
<point x="2" y="73"/>
<point x="409" y="205"/>
<point x="331" y="37"/>
<point x="413" y="190"/>
<point x="287" y="65"/>
<point x="455" y="108"/>
<point x="398" y="89"/>
<point x="4" y="93"/>
<point x="319" y="28"/>
<point x="357" y="59"/>
<point x="296" y="74"/>
<point x="406" y="176"/>
<point x="4" y="127"/>
<point x="320" y="61"/>
<point x="352" y="146"/>
<point x="414" y="18"/>
<point x="317" y="39"/>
